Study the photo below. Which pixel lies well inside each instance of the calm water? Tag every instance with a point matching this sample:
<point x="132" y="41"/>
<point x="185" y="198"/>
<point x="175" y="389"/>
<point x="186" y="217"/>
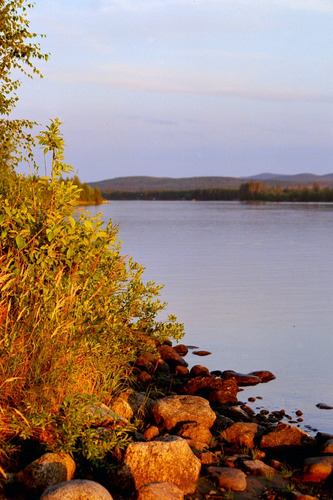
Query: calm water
<point x="253" y="284"/>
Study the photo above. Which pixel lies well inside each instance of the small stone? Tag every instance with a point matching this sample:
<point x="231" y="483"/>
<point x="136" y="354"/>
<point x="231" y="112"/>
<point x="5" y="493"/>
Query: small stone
<point x="151" y="432"/>
<point x="258" y="468"/>
<point x="324" y="406"/>
<point x="296" y="495"/>
<point x="199" y="371"/>
<point x="181" y="349"/>
<point x="264" y="375"/>
<point x="243" y="434"/>
<point x="181" y="371"/>
<point x="242" y="379"/>
<point x="327" y="447"/>
<point x="144" y="377"/>
<point x="231" y="479"/>
<point x="160" y="491"/>
<point x="197" y="431"/>
<point x="299" y="413"/>
<point x="252" y="399"/>
<point x="202" y="353"/>
<point x="208" y="458"/>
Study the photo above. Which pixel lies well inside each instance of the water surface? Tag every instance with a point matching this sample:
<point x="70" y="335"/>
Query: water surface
<point x="251" y="283"/>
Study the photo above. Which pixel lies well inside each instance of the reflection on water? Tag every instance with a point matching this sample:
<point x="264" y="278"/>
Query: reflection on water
<point x="251" y="282"/>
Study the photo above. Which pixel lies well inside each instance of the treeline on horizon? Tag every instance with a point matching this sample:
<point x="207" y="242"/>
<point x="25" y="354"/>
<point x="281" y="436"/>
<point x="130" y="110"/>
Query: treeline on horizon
<point x="249" y="191"/>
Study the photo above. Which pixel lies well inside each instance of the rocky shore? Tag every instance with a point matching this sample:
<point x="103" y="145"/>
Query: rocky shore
<point x="194" y="439"/>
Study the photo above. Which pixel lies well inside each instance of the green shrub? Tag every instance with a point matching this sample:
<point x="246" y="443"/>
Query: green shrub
<point x="74" y="313"/>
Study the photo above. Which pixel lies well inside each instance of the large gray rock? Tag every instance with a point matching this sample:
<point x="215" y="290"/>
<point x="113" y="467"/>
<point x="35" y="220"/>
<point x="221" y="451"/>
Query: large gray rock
<point x="49" y="469"/>
<point x="174" y="410"/>
<point x="166" y="460"/>
<point x="286" y="436"/>
<point x="78" y="489"/>
<point x="160" y="491"/>
<point x="243" y="434"/>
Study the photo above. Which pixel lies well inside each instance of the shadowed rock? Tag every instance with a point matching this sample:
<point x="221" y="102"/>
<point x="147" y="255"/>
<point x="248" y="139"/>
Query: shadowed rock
<point x="49" y="469"/>
<point x="230" y="479"/>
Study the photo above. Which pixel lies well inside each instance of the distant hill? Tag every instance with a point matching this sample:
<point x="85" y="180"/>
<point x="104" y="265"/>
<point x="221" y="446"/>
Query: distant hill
<point x="146" y="183"/>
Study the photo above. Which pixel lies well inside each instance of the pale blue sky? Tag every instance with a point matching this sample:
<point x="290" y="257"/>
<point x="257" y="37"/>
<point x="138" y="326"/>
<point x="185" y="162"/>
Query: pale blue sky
<point x="182" y="88"/>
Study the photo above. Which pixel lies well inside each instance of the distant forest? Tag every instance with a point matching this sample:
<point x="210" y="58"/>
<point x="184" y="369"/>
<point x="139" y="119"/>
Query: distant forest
<point x="248" y="191"/>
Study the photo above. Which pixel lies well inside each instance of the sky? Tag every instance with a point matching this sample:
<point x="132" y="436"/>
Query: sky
<point x="182" y="88"/>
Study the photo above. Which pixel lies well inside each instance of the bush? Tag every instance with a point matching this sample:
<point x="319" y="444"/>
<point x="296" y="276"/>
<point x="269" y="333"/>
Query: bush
<point x="74" y="313"/>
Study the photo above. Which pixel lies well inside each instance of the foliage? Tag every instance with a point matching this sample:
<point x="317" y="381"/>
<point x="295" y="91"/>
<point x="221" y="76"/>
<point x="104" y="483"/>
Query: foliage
<point x="73" y="313"/>
<point x="18" y="50"/>
<point x="88" y="195"/>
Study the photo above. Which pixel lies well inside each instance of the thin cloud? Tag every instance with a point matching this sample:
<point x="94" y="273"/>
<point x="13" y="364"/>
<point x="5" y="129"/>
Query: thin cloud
<point x="139" y="79"/>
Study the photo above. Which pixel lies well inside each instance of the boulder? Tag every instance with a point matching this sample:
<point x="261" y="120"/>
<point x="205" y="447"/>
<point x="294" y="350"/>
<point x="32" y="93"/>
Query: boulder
<point x="49" y="469"/>
<point x="317" y="469"/>
<point x="286" y="436"/>
<point x="194" y="430"/>
<point x="230" y="479"/>
<point x="243" y="434"/>
<point x="174" y="410"/>
<point x="78" y="489"/>
<point x="168" y="459"/>
<point x="160" y="491"/>
<point x="242" y="379"/>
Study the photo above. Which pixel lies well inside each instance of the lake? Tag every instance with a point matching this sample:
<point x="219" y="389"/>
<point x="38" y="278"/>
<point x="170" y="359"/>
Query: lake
<point x="252" y="283"/>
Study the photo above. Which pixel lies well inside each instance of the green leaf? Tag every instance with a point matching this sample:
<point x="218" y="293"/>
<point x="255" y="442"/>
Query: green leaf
<point x="20" y="242"/>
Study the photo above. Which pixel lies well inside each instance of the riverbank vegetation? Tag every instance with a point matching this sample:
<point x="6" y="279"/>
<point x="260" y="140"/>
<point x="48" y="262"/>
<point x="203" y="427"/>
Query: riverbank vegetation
<point x="249" y="191"/>
<point x="74" y="313"/>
